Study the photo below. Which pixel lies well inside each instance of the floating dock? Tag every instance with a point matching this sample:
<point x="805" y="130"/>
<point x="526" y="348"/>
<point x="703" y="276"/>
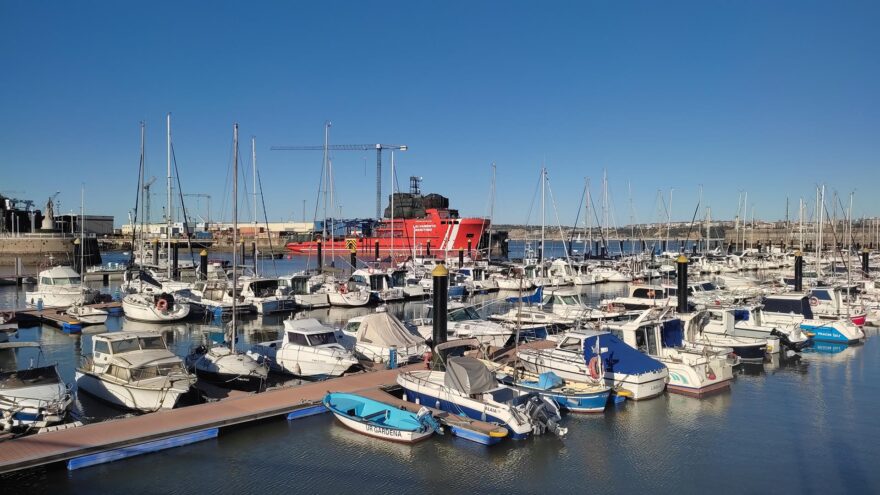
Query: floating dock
<point x="127" y="435"/>
<point x="59" y="318"/>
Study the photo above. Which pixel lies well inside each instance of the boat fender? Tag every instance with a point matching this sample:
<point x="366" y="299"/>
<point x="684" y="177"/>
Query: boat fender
<point x="814" y="301"/>
<point x="593" y="367"/>
<point x="427" y="359"/>
<point x="343" y="288"/>
<point x="710" y="373"/>
<point x="162" y="305"/>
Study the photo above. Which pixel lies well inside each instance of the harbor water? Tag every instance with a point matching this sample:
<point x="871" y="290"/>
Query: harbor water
<point x="802" y="425"/>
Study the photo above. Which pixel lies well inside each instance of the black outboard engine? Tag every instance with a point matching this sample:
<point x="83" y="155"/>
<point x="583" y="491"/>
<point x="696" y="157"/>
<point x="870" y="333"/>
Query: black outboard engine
<point x="793" y="346"/>
<point x="544" y="414"/>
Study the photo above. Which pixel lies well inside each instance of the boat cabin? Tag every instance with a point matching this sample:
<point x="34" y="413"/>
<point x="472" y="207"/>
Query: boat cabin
<point x="788" y="304"/>
<point x="133" y="356"/>
<point x="59" y="275"/>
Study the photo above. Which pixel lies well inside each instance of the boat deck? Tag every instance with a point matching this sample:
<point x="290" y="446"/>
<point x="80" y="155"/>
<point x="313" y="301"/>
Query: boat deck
<point x="36" y="450"/>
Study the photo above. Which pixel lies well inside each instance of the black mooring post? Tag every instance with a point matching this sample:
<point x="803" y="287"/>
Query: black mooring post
<point x="77" y="250"/>
<point x="353" y="260"/>
<point x="203" y="264"/>
<point x="798" y="272"/>
<point x="254" y="255"/>
<point x="460" y="258"/>
<point x="320" y="256"/>
<point x="440" y="276"/>
<point x="428" y="250"/>
<point x="156" y="252"/>
<point x="377" y="250"/>
<point x="663" y="248"/>
<point x="469" y="249"/>
<point x="242" y="252"/>
<point x="865" y="267"/>
<point x="682" y="262"/>
<point x="175" y="260"/>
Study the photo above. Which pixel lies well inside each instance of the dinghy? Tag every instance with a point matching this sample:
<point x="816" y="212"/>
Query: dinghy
<point x="381" y="420"/>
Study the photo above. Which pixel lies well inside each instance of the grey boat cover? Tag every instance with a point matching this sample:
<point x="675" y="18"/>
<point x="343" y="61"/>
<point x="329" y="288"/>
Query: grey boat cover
<point x="384" y="330"/>
<point x="468" y="375"/>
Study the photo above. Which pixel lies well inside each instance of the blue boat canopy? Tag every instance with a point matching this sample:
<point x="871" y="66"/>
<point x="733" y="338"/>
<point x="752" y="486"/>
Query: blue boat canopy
<point x="532" y="299"/>
<point x="672" y="333"/>
<point x="620" y="357"/>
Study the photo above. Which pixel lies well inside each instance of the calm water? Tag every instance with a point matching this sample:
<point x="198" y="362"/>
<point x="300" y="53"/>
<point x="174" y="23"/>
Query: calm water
<point x="799" y="426"/>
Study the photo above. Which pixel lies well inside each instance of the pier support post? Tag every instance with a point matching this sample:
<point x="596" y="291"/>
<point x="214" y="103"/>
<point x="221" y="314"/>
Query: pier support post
<point x="440" y="276"/>
<point x="428" y="248"/>
<point x="175" y="260"/>
<point x="469" y="249"/>
<point x="156" y="252"/>
<point x="865" y="267"/>
<point x="596" y="250"/>
<point x="682" y="263"/>
<point x="320" y="256"/>
<point x="663" y="246"/>
<point x="460" y="258"/>
<point x="377" y="251"/>
<point x="798" y="271"/>
<point x="620" y="245"/>
<point x="203" y="264"/>
<point x="353" y="260"/>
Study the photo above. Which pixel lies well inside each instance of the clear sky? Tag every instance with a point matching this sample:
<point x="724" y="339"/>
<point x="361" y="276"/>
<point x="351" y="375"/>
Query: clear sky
<point x="769" y="97"/>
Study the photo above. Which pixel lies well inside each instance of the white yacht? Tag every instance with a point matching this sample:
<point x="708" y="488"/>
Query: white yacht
<point x="87" y="315"/>
<point x="60" y="286"/>
<point x="308" y="349"/>
<point x="267" y="296"/>
<point x="32" y="398"/>
<point x="303" y="290"/>
<point x="134" y="370"/>
<point x="464" y="322"/>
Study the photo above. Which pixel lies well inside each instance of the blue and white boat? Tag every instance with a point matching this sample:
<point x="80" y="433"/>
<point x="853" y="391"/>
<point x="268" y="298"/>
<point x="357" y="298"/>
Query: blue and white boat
<point x="380" y="420"/>
<point x="796" y="309"/>
<point x="576" y="397"/>
<point x="468" y="388"/>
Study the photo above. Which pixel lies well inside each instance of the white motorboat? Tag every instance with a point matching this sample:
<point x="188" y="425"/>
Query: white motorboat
<point x="300" y="287"/>
<point x="346" y="294"/>
<point x="377" y="282"/>
<point x="795" y="310"/>
<point x="308" y="349"/>
<point x="32" y="398"/>
<point x="267" y="296"/>
<point x="643" y="377"/>
<point x="60" y="286"/>
<point x="467" y="387"/>
<point x="375" y="336"/>
<point x="154" y="308"/>
<point x="463" y="322"/>
<point x="693" y="371"/>
<point x="134" y="370"/>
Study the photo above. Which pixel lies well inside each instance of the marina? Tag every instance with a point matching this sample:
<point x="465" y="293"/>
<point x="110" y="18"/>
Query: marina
<point x="500" y="247"/>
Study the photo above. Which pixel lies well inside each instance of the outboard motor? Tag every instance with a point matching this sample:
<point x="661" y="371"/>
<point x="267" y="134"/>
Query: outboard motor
<point x="544" y="415"/>
<point x="784" y="340"/>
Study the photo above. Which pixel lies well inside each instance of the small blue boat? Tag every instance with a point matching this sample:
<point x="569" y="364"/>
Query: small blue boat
<point x="380" y="420"/>
<point x="577" y="397"/>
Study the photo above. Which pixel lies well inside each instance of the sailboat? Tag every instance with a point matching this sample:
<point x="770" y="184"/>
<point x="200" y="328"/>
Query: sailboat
<point x="151" y="306"/>
<point x="219" y="363"/>
<point x="87" y="315"/>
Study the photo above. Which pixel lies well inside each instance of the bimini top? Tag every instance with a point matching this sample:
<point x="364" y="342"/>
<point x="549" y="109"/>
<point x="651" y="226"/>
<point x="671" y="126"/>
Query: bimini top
<point x="620" y="357"/>
<point x="307" y="326"/>
<point x="468" y="376"/>
<point x="384" y="330"/>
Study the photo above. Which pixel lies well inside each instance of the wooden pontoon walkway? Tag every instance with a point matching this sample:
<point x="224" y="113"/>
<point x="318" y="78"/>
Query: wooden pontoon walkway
<point x="45" y="448"/>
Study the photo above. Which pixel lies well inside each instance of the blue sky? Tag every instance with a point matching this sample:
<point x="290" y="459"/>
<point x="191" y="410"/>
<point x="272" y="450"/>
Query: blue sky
<point x="765" y="97"/>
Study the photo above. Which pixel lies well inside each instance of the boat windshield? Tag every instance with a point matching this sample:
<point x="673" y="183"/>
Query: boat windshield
<point x="264" y="288"/>
<point x="147" y="372"/>
<point x="62" y="280"/>
<point x="152" y="343"/>
<point x="127" y="345"/>
<point x="322" y="338"/>
<point x="708" y="286"/>
<point x="570" y="300"/>
<point x="463" y="314"/>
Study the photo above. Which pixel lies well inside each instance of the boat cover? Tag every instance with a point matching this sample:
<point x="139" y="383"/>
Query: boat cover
<point x="384" y="330"/>
<point x="672" y="333"/>
<point x="620" y="357"/>
<point x="546" y="381"/>
<point x="468" y="376"/>
<point x="532" y="299"/>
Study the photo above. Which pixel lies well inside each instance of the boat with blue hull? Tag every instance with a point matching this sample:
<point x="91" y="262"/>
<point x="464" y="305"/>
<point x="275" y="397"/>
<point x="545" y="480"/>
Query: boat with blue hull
<point x="576" y="397"/>
<point x="380" y="420"/>
<point x="468" y="388"/>
<point x="796" y="309"/>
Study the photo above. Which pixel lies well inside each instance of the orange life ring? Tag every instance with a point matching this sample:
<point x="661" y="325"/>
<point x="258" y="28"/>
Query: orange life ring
<point x="162" y="305"/>
<point x="814" y="301"/>
<point x="593" y="367"/>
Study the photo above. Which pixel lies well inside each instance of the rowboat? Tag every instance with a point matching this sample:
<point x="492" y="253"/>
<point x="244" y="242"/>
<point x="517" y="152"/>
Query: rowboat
<point x="381" y="420"/>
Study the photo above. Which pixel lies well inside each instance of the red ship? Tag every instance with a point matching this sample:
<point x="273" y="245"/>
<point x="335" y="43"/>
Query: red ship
<point x="422" y="226"/>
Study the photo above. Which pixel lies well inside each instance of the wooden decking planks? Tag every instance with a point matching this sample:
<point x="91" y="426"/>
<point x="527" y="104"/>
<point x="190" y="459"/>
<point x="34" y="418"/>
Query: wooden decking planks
<point x="36" y="450"/>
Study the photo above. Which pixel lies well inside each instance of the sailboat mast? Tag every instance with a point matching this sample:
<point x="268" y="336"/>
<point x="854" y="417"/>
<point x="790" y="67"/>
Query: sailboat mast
<point x="82" y="233"/>
<point x="589" y="224"/>
<point x="254" y="166"/>
<point x="392" y="208"/>
<point x="325" y="173"/>
<point x="143" y="235"/>
<point x="234" y="231"/>
<point x="543" y="180"/>
<point x="491" y="214"/>
<point x="168" y="210"/>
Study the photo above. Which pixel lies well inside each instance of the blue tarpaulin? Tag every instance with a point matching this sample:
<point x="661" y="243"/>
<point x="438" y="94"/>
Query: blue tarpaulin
<point x="741" y="315"/>
<point x="620" y="357"/>
<point x="672" y="333"/>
